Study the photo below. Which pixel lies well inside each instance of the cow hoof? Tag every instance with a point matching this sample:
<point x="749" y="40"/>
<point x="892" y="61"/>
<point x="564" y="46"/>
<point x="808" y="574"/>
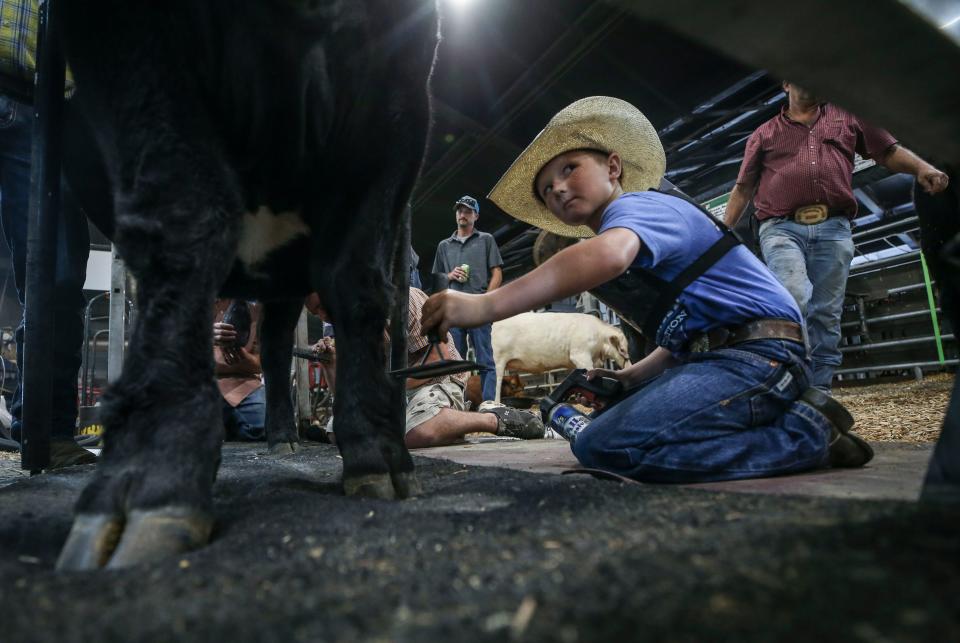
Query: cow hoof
<point x="284" y="448"/>
<point x="148" y="536"/>
<point x="92" y="539"/>
<point x="372" y="485"/>
<point x="407" y="485"/>
<point x="153" y="534"/>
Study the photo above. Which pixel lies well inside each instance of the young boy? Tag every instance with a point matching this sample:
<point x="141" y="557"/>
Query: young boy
<point x="725" y="393"/>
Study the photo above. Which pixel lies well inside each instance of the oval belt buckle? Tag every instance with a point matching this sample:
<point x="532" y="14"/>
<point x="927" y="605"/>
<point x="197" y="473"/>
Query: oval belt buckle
<point x="810" y="214"/>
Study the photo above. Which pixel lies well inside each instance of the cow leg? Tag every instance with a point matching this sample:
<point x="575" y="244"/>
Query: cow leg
<point x="276" y="352"/>
<point x="368" y="418"/>
<point x="151" y="495"/>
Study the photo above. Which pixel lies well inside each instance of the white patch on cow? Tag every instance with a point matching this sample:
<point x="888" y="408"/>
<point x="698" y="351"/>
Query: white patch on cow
<point x="264" y="231"/>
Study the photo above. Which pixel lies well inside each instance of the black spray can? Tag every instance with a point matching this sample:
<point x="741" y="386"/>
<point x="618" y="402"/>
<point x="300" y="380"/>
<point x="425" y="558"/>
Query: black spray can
<point x="568" y="421"/>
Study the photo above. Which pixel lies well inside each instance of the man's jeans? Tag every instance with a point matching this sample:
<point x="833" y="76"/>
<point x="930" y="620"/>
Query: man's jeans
<point x="483" y="348"/>
<point x="721" y="415"/>
<point x="813" y="262"/>
<point x="246" y="420"/>
<point x="73" y="246"/>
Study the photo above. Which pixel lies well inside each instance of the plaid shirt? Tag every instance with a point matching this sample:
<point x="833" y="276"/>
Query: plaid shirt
<point x="19" y="21"/>
<point x="416" y="341"/>
<point x="797" y="164"/>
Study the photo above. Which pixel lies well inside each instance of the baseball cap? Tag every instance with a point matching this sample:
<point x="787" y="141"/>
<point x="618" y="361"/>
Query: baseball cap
<point x="468" y="201"/>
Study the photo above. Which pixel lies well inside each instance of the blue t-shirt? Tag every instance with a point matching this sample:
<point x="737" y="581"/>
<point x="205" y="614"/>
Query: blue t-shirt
<point x="673" y="234"/>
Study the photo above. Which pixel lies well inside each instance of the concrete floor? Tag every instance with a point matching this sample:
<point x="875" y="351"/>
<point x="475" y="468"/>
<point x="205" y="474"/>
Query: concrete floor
<point x="896" y="472"/>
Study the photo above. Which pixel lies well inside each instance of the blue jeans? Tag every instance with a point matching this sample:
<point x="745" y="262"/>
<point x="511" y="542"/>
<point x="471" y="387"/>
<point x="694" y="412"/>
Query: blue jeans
<point x="246" y="420"/>
<point x="73" y="247"/>
<point x="721" y="415"/>
<point x="813" y="262"/>
<point x="483" y="347"/>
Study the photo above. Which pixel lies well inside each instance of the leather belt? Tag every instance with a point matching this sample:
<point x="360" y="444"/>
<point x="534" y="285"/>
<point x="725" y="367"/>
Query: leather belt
<point x="750" y="331"/>
<point x="813" y="214"/>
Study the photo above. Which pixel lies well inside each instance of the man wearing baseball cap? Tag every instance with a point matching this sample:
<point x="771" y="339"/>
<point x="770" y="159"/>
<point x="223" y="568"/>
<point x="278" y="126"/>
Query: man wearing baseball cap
<point x="726" y="394"/>
<point x="471" y="260"/>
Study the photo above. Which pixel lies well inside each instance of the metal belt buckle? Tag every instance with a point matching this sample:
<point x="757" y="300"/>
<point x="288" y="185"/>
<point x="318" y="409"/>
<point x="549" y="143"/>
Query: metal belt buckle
<point x="811" y="214"/>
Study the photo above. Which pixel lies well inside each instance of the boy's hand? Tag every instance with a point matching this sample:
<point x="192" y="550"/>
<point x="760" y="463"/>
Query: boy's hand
<point x="453" y="309"/>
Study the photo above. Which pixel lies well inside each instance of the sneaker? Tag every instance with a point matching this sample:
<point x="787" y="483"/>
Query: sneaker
<point x="515" y="423"/>
<point x="847" y="449"/>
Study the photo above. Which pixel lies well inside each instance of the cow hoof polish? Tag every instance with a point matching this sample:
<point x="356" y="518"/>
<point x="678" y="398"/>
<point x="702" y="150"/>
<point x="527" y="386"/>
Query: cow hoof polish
<point x="372" y="485"/>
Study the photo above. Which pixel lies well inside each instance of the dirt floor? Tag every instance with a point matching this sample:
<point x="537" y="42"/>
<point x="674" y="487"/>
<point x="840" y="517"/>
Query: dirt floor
<point x="911" y="410"/>
<point x="489" y="554"/>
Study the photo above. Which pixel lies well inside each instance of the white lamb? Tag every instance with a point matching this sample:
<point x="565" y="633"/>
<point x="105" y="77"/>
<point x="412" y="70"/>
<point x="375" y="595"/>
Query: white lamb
<point x="539" y="342"/>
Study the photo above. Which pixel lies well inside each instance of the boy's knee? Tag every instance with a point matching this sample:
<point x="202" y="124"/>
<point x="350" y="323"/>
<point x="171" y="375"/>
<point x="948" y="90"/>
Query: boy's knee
<point x="594" y="450"/>
<point x="588" y="448"/>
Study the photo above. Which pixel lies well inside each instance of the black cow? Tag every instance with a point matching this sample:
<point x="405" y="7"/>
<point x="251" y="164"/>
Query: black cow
<point x="263" y="149"/>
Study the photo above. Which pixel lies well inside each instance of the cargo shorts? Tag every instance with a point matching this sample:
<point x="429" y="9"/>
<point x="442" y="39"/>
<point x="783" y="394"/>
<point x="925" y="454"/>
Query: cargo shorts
<point x="426" y="401"/>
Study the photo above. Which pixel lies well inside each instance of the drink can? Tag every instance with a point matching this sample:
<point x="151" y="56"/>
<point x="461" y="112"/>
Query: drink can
<point x="568" y="421"/>
<point x="466" y="269"/>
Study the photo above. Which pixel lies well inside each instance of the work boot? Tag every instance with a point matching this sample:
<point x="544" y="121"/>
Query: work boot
<point x="847" y="449"/>
<point x="514" y="423"/>
<point x="67" y="453"/>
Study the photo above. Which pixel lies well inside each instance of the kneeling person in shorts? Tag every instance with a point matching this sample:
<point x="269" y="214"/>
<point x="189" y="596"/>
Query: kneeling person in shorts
<point x="436" y="412"/>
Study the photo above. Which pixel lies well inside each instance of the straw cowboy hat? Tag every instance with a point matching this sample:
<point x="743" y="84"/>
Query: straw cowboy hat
<point x="598" y="123"/>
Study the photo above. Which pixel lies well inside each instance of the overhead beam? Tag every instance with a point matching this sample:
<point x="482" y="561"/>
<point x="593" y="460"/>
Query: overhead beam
<point x="878" y="58"/>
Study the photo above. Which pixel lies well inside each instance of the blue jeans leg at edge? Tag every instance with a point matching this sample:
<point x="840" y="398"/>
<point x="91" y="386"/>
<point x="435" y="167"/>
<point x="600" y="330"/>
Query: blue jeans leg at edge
<point x="246" y="421"/>
<point x="480" y="339"/>
<point x="813" y="263"/>
<point x="722" y="415"/>
<point x="73" y="246"/>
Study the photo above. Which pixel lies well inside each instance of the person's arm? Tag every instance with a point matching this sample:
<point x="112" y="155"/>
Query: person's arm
<point x="327" y="348"/>
<point x="747" y="179"/>
<point x="652" y="365"/>
<point x="496" y="278"/>
<point x="571" y="271"/>
<point x="739" y="198"/>
<point x="659" y="360"/>
<point x="900" y="159"/>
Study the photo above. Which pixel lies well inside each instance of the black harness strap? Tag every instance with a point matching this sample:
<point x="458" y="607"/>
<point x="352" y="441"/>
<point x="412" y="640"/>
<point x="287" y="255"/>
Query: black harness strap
<point x="670" y="290"/>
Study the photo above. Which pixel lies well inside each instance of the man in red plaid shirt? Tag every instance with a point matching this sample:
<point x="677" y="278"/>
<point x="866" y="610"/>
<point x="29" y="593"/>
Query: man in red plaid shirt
<point x="798" y="169"/>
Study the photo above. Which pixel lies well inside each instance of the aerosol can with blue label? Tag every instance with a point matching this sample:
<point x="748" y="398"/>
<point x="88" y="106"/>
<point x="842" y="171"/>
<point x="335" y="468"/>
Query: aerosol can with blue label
<point x="567" y="421"/>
